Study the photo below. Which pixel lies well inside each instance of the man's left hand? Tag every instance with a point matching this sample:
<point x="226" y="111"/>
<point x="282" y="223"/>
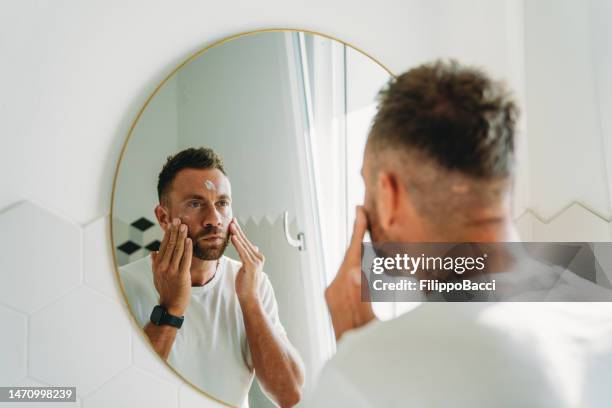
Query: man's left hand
<point x="249" y="276"/>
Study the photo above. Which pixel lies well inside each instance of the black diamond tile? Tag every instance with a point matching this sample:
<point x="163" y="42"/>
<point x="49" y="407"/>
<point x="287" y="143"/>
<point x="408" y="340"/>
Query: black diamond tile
<point x="153" y="246"/>
<point x="142" y="224"/>
<point x="129" y="247"/>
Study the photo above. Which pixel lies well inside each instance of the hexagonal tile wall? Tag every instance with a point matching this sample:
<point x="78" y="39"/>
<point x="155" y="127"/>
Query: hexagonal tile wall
<point x="99" y="270"/>
<point x="13" y="346"/>
<point x="82" y="340"/>
<point x="66" y="319"/>
<point x="133" y="388"/>
<point x="41" y="256"/>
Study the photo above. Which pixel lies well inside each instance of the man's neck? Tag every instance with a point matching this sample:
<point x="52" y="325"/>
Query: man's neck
<point x="502" y="230"/>
<point x="202" y="271"/>
<point x="486" y="232"/>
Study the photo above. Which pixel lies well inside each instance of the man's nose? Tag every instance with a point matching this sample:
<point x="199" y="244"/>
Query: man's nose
<point x="212" y="217"/>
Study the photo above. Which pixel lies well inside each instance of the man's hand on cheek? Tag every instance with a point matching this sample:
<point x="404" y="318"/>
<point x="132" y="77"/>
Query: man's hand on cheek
<point x="343" y="295"/>
<point x="249" y="276"/>
<point x="171" y="269"/>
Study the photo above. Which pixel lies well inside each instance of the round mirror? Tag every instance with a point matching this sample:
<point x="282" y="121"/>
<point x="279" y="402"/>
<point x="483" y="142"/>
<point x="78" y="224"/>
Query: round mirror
<point x="254" y="147"/>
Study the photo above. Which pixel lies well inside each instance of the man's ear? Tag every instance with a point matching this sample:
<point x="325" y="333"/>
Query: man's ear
<point x="388" y="198"/>
<point x="163" y="217"/>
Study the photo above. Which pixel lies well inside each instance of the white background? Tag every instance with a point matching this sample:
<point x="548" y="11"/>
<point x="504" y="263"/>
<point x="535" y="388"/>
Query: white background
<point x="74" y="74"/>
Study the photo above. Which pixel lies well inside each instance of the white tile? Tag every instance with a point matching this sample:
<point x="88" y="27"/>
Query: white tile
<point x="191" y="398"/>
<point x="133" y="388"/>
<point x="143" y="238"/>
<point x="29" y="382"/>
<point x="524" y="225"/>
<point x="81" y="340"/>
<point x="121" y="230"/>
<point x="124" y="259"/>
<point x="99" y="270"/>
<point x="575" y="223"/>
<point x="12" y="345"/>
<point x="41" y="256"/>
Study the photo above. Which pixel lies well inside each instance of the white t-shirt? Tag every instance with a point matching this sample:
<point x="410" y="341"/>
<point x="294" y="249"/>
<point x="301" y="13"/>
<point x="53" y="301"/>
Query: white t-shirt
<point x="533" y="355"/>
<point x="211" y="349"/>
<point x="510" y="354"/>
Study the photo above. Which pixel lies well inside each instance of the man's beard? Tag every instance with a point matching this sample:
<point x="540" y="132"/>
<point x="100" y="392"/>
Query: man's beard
<point x="207" y="251"/>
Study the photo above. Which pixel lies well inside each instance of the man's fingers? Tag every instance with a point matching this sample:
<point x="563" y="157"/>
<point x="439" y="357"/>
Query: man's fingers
<point x="178" y="249"/>
<point x="360" y="227"/>
<point x="164" y="243"/>
<point x="355" y="275"/>
<point x="185" y="266"/>
<point x="240" y="246"/>
<point x="154" y="258"/>
<point x="252" y="248"/>
<point x="167" y="258"/>
<point x="353" y="253"/>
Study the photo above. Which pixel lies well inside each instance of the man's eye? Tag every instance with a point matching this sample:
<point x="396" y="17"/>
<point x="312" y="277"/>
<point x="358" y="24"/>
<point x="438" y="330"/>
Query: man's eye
<point x="223" y="203"/>
<point x="194" y="204"/>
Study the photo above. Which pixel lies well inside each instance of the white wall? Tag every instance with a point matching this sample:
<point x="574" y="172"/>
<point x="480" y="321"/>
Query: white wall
<point x="74" y="74"/>
<point x="568" y="82"/>
<point x="236" y="99"/>
<point x="152" y="141"/>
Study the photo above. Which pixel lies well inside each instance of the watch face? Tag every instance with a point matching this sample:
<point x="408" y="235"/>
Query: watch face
<point x="157" y="314"/>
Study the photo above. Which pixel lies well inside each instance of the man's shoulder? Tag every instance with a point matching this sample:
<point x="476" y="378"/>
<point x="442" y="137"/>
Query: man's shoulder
<point x="231" y="263"/>
<point x="137" y="264"/>
<point x="137" y="273"/>
<point x="234" y="266"/>
<point x="415" y="339"/>
<point x="423" y="321"/>
<point x="438" y="341"/>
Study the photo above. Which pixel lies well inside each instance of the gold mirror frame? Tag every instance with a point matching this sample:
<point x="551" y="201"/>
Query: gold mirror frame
<point x="189" y="59"/>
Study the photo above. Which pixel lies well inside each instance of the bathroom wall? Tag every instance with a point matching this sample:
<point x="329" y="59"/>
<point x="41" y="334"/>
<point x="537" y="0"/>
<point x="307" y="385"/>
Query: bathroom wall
<point x="75" y="74"/>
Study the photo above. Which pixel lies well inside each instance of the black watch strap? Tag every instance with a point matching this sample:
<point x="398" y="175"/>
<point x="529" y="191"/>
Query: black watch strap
<point x="161" y="317"/>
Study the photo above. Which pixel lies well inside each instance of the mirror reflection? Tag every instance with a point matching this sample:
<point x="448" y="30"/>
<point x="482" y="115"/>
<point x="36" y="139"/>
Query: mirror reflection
<point x="233" y="206"/>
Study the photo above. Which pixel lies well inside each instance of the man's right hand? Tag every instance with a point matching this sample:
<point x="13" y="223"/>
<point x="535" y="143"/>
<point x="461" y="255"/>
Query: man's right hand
<point x="344" y="295"/>
<point x="171" y="269"/>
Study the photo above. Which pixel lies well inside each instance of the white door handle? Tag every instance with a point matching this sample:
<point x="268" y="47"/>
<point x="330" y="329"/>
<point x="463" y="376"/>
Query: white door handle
<point x="298" y="243"/>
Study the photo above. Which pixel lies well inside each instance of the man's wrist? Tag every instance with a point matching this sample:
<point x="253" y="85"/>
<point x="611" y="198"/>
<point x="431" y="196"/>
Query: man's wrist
<point x="173" y="310"/>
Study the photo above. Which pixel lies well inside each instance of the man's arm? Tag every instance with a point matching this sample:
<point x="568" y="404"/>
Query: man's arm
<point x="277" y="365"/>
<point x="161" y="337"/>
<point x="171" y="275"/>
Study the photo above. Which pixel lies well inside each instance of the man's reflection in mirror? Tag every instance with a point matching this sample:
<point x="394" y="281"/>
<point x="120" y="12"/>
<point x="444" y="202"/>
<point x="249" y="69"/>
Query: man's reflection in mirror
<point x="214" y="319"/>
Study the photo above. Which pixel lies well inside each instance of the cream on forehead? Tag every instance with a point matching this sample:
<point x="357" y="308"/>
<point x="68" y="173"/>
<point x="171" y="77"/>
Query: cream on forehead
<point x="209" y="185"/>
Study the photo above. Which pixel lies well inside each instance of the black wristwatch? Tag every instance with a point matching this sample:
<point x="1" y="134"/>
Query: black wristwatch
<point x="160" y="316"/>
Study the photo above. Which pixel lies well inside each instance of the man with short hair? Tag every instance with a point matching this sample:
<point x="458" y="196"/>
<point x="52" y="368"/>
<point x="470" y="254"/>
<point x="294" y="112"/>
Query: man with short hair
<point x="438" y="167"/>
<point x="214" y="319"/>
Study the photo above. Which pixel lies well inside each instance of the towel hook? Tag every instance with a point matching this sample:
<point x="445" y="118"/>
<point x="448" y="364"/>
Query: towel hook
<point x="298" y="243"/>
